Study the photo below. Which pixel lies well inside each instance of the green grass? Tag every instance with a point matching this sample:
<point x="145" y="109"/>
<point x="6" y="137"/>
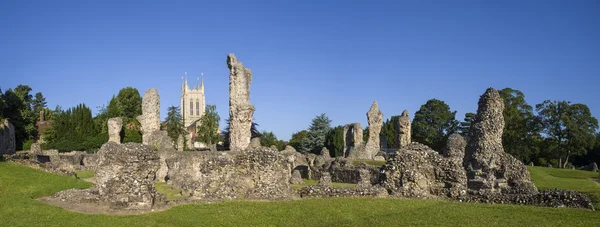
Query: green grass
<point x="315" y="182"/>
<point x="172" y="194"/>
<point x="370" y="162"/>
<point x="85" y="174"/>
<point x="578" y="180"/>
<point x="18" y="185"/>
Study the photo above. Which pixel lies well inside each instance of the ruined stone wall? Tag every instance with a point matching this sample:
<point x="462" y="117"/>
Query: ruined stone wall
<point x="375" y="119"/>
<point x="403" y="129"/>
<point x="240" y="109"/>
<point x="7" y="138"/>
<point x="489" y="168"/>
<point x="150" y="118"/>
<point x="233" y="175"/>
<point x="114" y="129"/>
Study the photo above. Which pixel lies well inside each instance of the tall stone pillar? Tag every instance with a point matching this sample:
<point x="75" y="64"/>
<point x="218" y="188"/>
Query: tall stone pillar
<point x="403" y="130"/>
<point x="375" y="119"/>
<point x="240" y="109"/>
<point x="114" y="129"/>
<point x="150" y="118"/>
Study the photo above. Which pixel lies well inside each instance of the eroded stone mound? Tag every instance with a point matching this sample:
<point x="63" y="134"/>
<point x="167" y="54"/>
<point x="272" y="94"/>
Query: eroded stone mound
<point x="234" y="175"/>
<point x="7" y="138"/>
<point x="125" y="175"/>
<point x="488" y="167"/>
<point x="418" y="171"/>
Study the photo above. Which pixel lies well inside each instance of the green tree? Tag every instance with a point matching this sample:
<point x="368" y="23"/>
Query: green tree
<point x="334" y="141"/>
<point x="38" y="103"/>
<point x="570" y="127"/>
<point x="465" y="126"/>
<point x="317" y="131"/>
<point x="209" y="126"/>
<point x="74" y="129"/>
<point x="389" y="131"/>
<point x="129" y="103"/>
<point x="174" y="123"/>
<point x="267" y="139"/>
<point x="521" y="129"/>
<point x="433" y="123"/>
<point x="297" y="139"/>
<point x="17" y="109"/>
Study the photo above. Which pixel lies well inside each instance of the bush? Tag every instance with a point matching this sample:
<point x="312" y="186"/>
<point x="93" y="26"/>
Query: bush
<point x="27" y="144"/>
<point x="132" y="136"/>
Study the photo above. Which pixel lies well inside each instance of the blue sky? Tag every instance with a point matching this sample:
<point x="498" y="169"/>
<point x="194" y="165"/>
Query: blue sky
<point x="307" y="57"/>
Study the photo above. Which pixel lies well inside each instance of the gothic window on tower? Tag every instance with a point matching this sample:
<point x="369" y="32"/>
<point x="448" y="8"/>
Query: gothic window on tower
<point x="197" y="108"/>
<point x="191" y="108"/>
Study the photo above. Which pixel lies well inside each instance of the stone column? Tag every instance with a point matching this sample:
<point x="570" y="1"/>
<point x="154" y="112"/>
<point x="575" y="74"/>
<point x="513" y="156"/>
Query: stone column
<point x="240" y="109"/>
<point x="150" y="118"/>
<point x="375" y="119"/>
<point x="114" y="129"/>
<point x="403" y="130"/>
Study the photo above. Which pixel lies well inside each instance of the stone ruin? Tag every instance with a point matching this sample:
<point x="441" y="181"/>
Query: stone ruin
<point x="489" y="168"/>
<point x="150" y="118"/>
<point x="7" y="138"/>
<point x="240" y="109"/>
<point x="478" y="171"/>
<point x="354" y="146"/>
<point x="375" y="119"/>
<point x="114" y="129"/>
<point x="353" y="140"/>
<point x="403" y="130"/>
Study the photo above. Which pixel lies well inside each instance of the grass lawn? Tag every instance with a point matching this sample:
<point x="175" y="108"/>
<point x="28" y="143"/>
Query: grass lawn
<point x="85" y="174"/>
<point x="19" y="185"/>
<point x="172" y="194"/>
<point x="578" y="180"/>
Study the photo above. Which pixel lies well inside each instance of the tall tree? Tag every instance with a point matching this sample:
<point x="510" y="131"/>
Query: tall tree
<point x="38" y="103"/>
<point x="521" y="129"/>
<point x="316" y="134"/>
<point x="209" y="125"/>
<point x="297" y="138"/>
<point x="433" y="123"/>
<point x="267" y="139"/>
<point x="389" y="131"/>
<point x="129" y="102"/>
<point x="174" y="123"/>
<point x="570" y="126"/>
<point x="334" y="141"/>
<point x="17" y="109"/>
<point x="465" y="125"/>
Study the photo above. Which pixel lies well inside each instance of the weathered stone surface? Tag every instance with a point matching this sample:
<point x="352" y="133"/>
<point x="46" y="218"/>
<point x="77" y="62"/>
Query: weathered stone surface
<point x="365" y="179"/>
<point x="296" y="177"/>
<point x="549" y="198"/>
<point x="403" y="130"/>
<point x="375" y="119"/>
<point x="36" y="148"/>
<point x="114" y="129"/>
<point x="240" y="109"/>
<point x="325" y="153"/>
<point x="455" y="147"/>
<point x="232" y="175"/>
<point x="343" y="171"/>
<point x="255" y="143"/>
<point x="418" y="171"/>
<point x="273" y="147"/>
<point x="180" y="143"/>
<point x="324" y="192"/>
<point x="150" y="118"/>
<point x="125" y="175"/>
<point x="325" y="180"/>
<point x="488" y="167"/>
<point x="354" y="147"/>
<point x="7" y="138"/>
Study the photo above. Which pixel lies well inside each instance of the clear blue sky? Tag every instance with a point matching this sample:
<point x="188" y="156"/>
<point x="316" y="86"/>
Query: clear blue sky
<point x="307" y="57"/>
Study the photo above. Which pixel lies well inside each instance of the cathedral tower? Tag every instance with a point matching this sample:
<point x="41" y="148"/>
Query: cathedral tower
<point x="192" y="101"/>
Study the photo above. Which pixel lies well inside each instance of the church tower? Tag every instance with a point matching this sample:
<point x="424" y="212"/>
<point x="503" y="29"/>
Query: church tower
<point x="192" y="101"/>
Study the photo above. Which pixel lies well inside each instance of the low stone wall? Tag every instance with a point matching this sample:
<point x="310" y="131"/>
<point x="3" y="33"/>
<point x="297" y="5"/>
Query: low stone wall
<point x="323" y="192"/>
<point x="249" y="174"/>
<point x="548" y="198"/>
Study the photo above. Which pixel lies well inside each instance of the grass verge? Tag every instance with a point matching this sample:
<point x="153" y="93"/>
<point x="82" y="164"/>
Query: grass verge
<point x="19" y="185"/>
<point x="578" y="180"/>
<point x="85" y="174"/>
<point x="370" y="162"/>
<point x="172" y="194"/>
